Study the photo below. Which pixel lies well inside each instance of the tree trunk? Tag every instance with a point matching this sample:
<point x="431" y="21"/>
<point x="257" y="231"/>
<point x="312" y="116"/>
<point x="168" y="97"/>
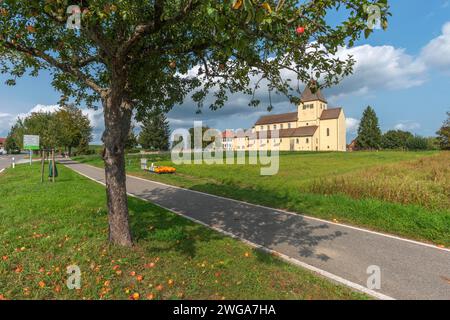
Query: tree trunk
<point x="117" y="125"/>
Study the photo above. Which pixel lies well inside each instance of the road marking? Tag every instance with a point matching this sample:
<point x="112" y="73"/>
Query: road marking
<point x="284" y="257"/>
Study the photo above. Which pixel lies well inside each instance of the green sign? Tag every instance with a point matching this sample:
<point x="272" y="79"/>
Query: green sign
<point x="30" y="142"/>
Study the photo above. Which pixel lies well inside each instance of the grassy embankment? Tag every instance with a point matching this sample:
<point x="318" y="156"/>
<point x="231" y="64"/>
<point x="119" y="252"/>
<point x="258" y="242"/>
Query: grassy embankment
<point x="46" y="227"/>
<point x="403" y="193"/>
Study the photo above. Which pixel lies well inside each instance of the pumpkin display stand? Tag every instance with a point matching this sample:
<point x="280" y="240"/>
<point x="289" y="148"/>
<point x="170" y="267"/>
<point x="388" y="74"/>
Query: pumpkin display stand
<point x="162" y="169"/>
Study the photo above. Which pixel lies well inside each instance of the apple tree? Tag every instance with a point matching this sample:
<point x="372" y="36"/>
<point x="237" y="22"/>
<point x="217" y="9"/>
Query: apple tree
<point x="131" y="55"/>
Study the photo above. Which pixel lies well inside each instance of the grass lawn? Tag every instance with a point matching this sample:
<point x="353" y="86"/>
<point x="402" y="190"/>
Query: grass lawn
<point x="403" y="193"/>
<point x="46" y="227"/>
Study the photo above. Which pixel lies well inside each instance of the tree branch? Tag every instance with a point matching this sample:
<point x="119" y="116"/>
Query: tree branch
<point x="154" y="26"/>
<point x="86" y="61"/>
<point x="57" y="64"/>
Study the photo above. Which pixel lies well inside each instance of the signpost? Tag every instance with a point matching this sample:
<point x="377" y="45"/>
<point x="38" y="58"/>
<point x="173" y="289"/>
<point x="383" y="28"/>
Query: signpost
<point x="31" y="143"/>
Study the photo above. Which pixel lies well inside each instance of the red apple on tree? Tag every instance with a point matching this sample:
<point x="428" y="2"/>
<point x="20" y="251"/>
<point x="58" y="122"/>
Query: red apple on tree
<point x="300" y="30"/>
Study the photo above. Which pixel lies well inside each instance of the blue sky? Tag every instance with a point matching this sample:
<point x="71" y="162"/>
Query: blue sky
<point x="404" y="73"/>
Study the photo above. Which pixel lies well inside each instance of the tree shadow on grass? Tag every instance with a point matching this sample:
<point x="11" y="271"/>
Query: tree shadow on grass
<point x="159" y="230"/>
<point x="287" y="233"/>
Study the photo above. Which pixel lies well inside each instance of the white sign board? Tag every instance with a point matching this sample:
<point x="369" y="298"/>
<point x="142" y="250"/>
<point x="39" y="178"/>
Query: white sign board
<point x="30" y="142"/>
<point x="144" y="164"/>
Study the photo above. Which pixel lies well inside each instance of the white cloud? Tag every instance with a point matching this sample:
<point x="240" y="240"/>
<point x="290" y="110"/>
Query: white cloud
<point x="407" y="125"/>
<point x="5" y="123"/>
<point x="436" y="54"/>
<point x="39" y="108"/>
<point x="95" y="116"/>
<point x="352" y="125"/>
<point x="379" y="68"/>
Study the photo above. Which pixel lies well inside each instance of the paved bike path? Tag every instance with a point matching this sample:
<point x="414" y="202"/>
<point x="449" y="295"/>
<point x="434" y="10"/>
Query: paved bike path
<point x="409" y="270"/>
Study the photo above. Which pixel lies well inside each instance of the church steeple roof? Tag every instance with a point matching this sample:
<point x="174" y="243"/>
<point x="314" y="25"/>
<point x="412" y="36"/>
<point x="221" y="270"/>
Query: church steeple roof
<point x="312" y="93"/>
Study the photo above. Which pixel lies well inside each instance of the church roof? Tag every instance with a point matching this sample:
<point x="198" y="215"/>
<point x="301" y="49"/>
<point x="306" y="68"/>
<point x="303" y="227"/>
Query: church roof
<point x="302" y="131"/>
<point x="287" y="133"/>
<point x="331" y="114"/>
<point x="308" y="95"/>
<point x="277" y="118"/>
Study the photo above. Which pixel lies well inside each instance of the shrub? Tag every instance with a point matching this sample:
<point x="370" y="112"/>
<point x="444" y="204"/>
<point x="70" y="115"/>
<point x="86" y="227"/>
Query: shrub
<point x="417" y="143"/>
<point x="395" y="139"/>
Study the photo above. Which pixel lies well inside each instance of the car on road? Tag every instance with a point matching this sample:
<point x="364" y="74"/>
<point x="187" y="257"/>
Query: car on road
<point x="3" y="151"/>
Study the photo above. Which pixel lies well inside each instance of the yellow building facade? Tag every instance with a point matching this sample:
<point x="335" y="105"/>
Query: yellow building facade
<point x="314" y="127"/>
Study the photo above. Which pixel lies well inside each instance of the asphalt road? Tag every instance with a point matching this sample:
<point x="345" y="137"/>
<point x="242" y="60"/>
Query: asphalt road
<point x="409" y="270"/>
<point x="6" y="160"/>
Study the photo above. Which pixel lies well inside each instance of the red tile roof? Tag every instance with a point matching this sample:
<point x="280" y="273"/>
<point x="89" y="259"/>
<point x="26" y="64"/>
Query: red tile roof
<point x="228" y="134"/>
<point x="331" y="114"/>
<point x="2" y="140"/>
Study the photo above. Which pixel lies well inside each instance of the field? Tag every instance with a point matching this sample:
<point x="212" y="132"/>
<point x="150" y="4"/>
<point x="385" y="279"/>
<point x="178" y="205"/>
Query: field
<point x="47" y="227"/>
<point x="403" y="193"/>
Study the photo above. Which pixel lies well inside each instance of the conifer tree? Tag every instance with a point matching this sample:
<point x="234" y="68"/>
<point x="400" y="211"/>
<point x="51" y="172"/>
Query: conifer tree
<point x="155" y="131"/>
<point x="369" y="133"/>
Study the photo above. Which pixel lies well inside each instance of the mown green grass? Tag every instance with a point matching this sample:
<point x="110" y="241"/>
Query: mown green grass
<point x="294" y="188"/>
<point x="46" y="227"/>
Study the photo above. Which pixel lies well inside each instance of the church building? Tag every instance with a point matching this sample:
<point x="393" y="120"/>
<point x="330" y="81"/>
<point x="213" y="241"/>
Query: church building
<point x="314" y="127"/>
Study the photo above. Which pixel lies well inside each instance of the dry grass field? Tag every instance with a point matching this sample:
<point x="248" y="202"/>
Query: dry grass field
<point x="425" y="182"/>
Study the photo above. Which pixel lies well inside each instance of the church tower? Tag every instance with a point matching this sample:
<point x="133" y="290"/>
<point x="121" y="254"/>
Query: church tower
<point x="312" y="104"/>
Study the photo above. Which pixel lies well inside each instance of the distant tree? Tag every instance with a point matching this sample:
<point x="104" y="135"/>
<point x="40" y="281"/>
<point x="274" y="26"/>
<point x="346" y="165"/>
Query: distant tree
<point x="416" y="143"/>
<point x="67" y="127"/>
<point x="433" y="143"/>
<point x="73" y="128"/>
<point x="444" y="134"/>
<point x="369" y="133"/>
<point x="44" y="125"/>
<point x="155" y="131"/>
<point x="131" y="141"/>
<point x="14" y="140"/>
<point x="11" y="145"/>
<point x="395" y="139"/>
<point x="83" y="147"/>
